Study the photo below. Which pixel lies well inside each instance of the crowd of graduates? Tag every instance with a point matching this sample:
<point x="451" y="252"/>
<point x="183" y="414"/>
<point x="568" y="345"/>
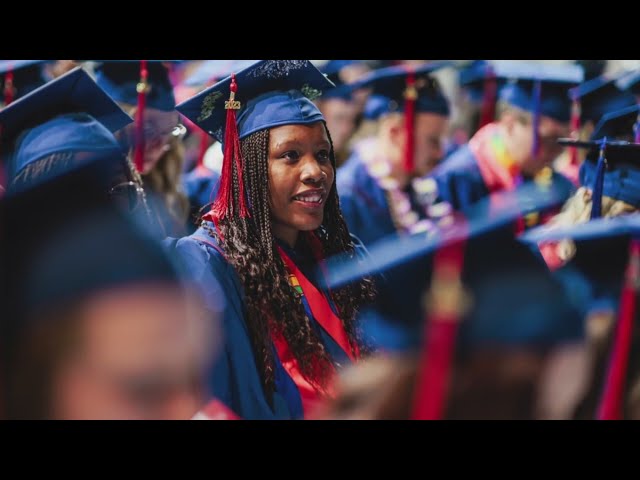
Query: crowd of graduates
<point x="335" y="239"/>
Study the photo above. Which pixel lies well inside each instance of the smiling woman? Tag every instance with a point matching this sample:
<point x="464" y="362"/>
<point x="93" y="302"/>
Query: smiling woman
<point x="275" y="219"/>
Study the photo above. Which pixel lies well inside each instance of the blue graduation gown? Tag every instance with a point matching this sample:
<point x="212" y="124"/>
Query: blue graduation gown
<point x="460" y="181"/>
<point x="200" y="185"/>
<point x="364" y="206"/>
<point x="235" y="379"/>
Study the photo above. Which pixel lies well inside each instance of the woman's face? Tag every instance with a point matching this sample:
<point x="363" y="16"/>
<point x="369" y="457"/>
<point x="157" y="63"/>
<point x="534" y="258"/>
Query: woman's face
<point x="143" y="352"/>
<point x="158" y="133"/>
<point x="300" y="178"/>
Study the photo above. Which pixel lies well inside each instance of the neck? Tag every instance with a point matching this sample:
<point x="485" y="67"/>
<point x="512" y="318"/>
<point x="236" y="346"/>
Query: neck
<point x="286" y="234"/>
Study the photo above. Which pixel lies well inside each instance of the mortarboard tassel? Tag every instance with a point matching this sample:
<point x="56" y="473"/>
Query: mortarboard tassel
<point x="612" y="403"/>
<point x="575" y="130"/>
<point x="537" y="99"/>
<point x="8" y="88"/>
<point x="223" y="204"/>
<point x="596" y="200"/>
<point x="446" y="307"/>
<point x="490" y="90"/>
<point x="410" y="95"/>
<point x="141" y="88"/>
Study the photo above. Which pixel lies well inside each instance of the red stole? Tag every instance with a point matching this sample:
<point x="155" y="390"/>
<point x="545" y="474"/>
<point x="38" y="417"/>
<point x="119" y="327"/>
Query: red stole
<point x="328" y="320"/>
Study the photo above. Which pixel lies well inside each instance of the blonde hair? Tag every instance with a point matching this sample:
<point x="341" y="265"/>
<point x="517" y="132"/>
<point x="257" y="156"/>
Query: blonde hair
<point x="503" y="108"/>
<point x="164" y="178"/>
<point x="578" y="210"/>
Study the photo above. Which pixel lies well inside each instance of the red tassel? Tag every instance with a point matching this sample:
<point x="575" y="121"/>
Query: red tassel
<point x="8" y="88"/>
<point x="488" y="108"/>
<point x="140" y="143"/>
<point x="410" y="95"/>
<point x="223" y="204"/>
<point x="612" y="403"/>
<point x="575" y="131"/>
<point x="438" y="354"/>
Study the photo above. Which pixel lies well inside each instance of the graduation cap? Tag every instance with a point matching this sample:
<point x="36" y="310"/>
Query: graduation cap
<point x="69" y="114"/>
<point x="334" y="69"/>
<point x="145" y="83"/>
<point x="267" y="94"/>
<point x="611" y="167"/>
<point x="599" y="232"/>
<point x="591" y="100"/>
<point x="210" y="71"/>
<point x="74" y="250"/>
<point x="481" y="82"/>
<point x="206" y="74"/>
<point x="19" y="77"/>
<point x="476" y="250"/>
<point x="405" y="89"/>
<point x="599" y="96"/>
<point x="629" y="81"/>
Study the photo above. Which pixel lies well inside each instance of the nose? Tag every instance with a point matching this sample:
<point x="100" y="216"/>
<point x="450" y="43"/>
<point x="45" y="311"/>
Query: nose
<point x="312" y="173"/>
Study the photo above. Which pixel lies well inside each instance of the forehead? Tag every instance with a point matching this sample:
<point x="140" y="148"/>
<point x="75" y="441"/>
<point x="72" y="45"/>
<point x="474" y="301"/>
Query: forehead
<point x="298" y="133"/>
<point x="427" y="121"/>
<point x="140" y="325"/>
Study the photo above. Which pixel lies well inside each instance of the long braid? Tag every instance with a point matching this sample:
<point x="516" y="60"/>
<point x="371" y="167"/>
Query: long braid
<point x="273" y="306"/>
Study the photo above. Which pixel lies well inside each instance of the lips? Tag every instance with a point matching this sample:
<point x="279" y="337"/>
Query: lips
<point x="313" y="197"/>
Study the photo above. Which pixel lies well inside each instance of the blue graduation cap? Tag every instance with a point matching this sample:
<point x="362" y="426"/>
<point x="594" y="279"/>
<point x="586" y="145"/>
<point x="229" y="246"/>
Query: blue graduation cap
<point x="267" y="94"/>
<point x="144" y="83"/>
<point x="332" y="69"/>
<point x="389" y="90"/>
<point x="481" y="82"/>
<point x="541" y="89"/>
<point x="214" y="70"/>
<point x="405" y="89"/>
<point x="53" y="261"/>
<point x="19" y="77"/>
<point x="69" y="114"/>
<point x="620" y="237"/>
<point x="600" y="96"/>
<point x="120" y="79"/>
<point x="270" y="93"/>
<point x="612" y="164"/>
<point x="629" y="81"/>
<point x="500" y="274"/>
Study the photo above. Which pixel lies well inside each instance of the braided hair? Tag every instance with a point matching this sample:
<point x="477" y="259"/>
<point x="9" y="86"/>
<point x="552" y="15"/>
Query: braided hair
<point x="272" y="305"/>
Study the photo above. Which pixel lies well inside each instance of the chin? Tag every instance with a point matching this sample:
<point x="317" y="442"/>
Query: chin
<point x="308" y="225"/>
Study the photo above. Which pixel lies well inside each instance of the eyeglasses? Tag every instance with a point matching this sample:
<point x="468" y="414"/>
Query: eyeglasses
<point x="153" y="132"/>
<point x="129" y="192"/>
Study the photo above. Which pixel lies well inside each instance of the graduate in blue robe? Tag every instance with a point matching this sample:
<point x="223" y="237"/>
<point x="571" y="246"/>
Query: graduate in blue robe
<point x="519" y="146"/>
<point x="159" y="154"/>
<point x="381" y="186"/>
<point x="275" y="217"/>
<point x="605" y="192"/>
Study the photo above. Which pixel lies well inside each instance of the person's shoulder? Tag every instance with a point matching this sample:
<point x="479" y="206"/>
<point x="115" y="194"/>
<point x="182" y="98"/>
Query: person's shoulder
<point x="197" y="250"/>
<point x="351" y="173"/>
<point x="458" y="164"/>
